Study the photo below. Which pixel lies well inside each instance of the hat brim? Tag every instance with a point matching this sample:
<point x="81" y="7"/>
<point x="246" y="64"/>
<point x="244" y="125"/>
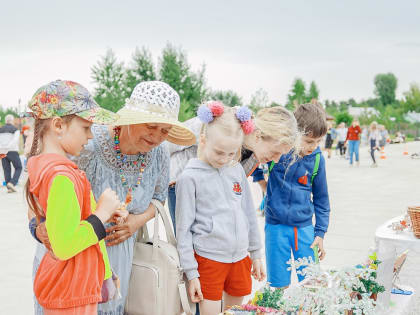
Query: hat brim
<point x="99" y="115"/>
<point x="179" y="134"/>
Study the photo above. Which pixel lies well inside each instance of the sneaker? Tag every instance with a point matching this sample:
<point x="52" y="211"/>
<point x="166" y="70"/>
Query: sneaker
<point x="374" y="165"/>
<point x="11" y="188"/>
<point x="358" y="163"/>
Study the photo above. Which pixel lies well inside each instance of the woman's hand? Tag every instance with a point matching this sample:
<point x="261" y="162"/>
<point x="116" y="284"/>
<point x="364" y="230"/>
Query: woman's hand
<point x="41" y="233"/>
<point x="119" y="233"/>
<point x="258" y="270"/>
<point x="194" y="289"/>
<point x="320" y="242"/>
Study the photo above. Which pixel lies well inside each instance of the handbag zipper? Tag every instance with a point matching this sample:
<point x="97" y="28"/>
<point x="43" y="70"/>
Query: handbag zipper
<point x="154" y="269"/>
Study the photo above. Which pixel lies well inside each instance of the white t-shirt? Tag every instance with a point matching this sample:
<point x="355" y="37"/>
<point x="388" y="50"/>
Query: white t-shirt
<point x="341" y="134"/>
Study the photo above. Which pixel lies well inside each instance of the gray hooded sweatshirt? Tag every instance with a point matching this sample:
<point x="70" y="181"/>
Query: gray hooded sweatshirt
<point x="215" y="216"/>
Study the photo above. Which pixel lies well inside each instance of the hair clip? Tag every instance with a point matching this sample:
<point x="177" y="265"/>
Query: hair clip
<point x="244" y="115"/>
<point x="207" y="112"/>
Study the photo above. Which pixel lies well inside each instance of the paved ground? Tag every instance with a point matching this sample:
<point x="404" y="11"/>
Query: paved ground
<point x="361" y="198"/>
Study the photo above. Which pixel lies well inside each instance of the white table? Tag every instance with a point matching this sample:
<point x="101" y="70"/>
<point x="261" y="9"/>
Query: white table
<point x="388" y="244"/>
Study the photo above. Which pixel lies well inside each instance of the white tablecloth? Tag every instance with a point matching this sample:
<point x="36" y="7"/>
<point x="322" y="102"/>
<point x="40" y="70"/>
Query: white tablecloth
<point x="389" y="243"/>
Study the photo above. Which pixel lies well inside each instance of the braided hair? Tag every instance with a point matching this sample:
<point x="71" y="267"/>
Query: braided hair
<point x="40" y="128"/>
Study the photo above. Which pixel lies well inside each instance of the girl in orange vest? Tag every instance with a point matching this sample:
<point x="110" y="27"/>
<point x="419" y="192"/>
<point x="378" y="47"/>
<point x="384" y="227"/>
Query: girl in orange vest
<point x="70" y="278"/>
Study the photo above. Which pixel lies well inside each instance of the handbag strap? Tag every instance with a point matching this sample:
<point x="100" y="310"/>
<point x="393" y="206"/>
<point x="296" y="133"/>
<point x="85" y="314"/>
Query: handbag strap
<point x="143" y="234"/>
<point x="184" y="298"/>
<point x="168" y="228"/>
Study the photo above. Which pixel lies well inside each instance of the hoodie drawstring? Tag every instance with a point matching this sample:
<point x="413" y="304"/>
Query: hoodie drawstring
<point x="296" y="238"/>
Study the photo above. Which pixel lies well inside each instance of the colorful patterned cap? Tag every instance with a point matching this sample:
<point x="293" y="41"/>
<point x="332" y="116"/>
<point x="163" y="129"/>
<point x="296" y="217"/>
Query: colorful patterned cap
<point x="62" y="98"/>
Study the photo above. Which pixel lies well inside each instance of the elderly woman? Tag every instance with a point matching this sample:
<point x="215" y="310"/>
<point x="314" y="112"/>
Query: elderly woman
<point x="131" y="159"/>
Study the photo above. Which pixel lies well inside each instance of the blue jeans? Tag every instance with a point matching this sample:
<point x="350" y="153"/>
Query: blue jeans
<point x="172" y="204"/>
<point x="12" y="158"/>
<point x="354" y="148"/>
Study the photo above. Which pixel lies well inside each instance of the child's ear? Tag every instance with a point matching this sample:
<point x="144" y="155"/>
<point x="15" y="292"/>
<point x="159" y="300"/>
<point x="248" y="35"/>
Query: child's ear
<point x="57" y="125"/>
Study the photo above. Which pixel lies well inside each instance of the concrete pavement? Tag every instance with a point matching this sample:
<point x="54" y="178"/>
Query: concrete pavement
<point x="361" y="199"/>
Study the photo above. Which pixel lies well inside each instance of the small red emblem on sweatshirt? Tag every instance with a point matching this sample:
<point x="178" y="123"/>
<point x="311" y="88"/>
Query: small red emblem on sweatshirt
<point x="237" y="189"/>
<point x="303" y="179"/>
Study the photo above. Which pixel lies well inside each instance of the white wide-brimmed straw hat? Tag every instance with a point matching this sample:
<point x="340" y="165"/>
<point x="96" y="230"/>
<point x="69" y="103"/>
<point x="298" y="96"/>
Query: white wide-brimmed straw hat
<point x="156" y="102"/>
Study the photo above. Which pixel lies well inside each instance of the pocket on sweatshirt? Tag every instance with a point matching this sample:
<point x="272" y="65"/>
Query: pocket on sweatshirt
<point x="218" y="239"/>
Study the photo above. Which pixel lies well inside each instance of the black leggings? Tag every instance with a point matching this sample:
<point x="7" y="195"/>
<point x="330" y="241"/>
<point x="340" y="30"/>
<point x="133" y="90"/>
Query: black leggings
<point x="342" y="148"/>
<point x="372" y="150"/>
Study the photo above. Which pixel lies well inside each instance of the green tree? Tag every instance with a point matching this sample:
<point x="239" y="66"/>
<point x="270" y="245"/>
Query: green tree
<point x="229" y="98"/>
<point x="175" y="70"/>
<point x="108" y="75"/>
<point x="297" y="95"/>
<point x="140" y="69"/>
<point x="411" y="101"/>
<point x="344" y="117"/>
<point x="259" y="100"/>
<point x="385" y="87"/>
<point x="313" y="92"/>
<point x="274" y="104"/>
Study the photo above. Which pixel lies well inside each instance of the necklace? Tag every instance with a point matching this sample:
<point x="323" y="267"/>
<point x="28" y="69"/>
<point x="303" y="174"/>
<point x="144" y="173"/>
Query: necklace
<point x="121" y="158"/>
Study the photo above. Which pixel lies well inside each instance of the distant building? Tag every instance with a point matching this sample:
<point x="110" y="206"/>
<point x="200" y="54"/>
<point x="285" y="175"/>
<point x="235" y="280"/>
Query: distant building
<point x="359" y="111"/>
<point x="412" y="117"/>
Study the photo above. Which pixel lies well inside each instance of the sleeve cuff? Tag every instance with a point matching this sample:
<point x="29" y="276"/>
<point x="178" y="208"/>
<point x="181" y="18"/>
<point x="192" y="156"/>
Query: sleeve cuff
<point x="192" y="274"/>
<point x="257" y="178"/>
<point x="98" y="226"/>
<point x="256" y="254"/>
<point x="319" y="233"/>
<point x="32" y="228"/>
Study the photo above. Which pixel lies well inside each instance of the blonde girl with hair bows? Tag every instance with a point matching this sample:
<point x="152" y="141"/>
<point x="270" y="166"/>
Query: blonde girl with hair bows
<point x="218" y="238"/>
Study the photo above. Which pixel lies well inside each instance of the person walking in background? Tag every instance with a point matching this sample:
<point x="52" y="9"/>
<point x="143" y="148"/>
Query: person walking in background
<point x="341" y="138"/>
<point x="353" y="138"/>
<point x="10" y="149"/>
<point x="329" y="139"/>
<point x="374" y="140"/>
<point x="384" y="136"/>
<point x="364" y="138"/>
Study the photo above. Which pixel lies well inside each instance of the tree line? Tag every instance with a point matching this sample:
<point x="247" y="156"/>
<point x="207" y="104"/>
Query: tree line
<point x="114" y="81"/>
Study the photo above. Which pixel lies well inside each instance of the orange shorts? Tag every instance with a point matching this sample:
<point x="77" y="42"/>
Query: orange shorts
<point x="216" y="277"/>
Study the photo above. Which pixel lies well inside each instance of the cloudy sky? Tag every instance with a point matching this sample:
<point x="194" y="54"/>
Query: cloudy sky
<point x="246" y="45"/>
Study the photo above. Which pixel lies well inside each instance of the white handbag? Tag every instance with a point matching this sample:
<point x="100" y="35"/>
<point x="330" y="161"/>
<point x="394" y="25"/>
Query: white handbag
<point x="157" y="285"/>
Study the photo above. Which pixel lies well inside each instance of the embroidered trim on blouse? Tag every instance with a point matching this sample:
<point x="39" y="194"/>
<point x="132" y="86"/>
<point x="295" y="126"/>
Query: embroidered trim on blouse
<point x="104" y="143"/>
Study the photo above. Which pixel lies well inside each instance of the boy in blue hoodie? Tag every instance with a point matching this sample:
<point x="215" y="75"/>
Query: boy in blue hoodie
<point x="297" y="190"/>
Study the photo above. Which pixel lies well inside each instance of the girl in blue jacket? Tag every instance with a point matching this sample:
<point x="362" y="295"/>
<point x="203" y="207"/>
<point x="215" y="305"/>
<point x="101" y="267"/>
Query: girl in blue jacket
<point x="297" y="191"/>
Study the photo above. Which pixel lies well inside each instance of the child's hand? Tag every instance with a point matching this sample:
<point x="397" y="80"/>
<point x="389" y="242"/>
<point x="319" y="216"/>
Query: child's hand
<point x="320" y="242"/>
<point x="258" y="270"/>
<point x="119" y="216"/>
<point x="41" y="233"/>
<point x="108" y="203"/>
<point x="194" y="289"/>
<point x="2" y="156"/>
